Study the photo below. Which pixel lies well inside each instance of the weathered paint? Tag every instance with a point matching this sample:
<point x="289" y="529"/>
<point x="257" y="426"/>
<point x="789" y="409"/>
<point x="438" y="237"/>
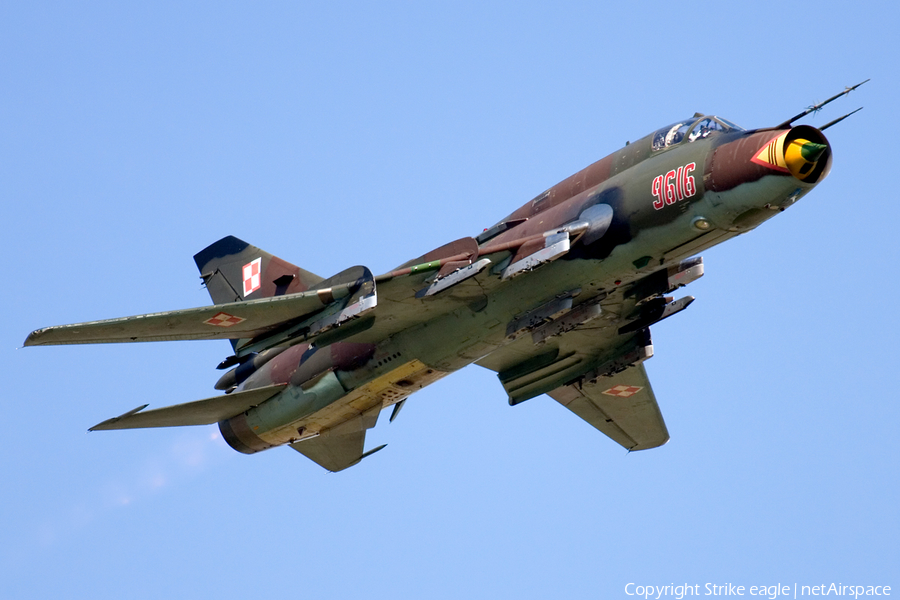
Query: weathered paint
<point x="603" y="246"/>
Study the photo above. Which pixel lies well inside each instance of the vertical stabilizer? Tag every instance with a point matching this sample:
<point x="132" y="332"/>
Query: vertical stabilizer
<point x="234" y="270"/>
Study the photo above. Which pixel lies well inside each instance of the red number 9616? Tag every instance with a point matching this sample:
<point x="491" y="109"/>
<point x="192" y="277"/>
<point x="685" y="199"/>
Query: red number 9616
<point x="675" y="185"/>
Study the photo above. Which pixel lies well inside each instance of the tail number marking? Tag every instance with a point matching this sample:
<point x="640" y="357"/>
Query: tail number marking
<point x="675" y="185"/>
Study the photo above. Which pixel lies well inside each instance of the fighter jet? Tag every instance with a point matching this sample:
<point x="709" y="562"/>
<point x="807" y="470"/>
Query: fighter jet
<point x="557" y="298"/>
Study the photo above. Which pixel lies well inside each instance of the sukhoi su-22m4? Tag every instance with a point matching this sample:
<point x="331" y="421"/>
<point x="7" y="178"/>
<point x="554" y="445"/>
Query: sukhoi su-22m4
<point x="557" y="298"/>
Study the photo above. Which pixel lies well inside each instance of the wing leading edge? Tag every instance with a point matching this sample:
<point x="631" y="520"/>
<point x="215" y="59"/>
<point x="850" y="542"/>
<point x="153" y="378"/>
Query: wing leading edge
<point x="221" y="321"/>
<point x="251" y="319"/>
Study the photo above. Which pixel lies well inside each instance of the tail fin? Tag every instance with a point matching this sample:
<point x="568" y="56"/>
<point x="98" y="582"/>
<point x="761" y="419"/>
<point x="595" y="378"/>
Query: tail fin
<point x="233" y="270"/>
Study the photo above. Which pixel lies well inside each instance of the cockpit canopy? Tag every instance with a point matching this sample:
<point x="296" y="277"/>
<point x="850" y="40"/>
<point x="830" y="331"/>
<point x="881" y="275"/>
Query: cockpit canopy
<point x="693" y="129"/>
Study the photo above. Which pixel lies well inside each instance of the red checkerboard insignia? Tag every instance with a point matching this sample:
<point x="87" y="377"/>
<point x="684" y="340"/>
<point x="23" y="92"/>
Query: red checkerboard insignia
<point x="252" y="276"/>
<point x="223" y="320"/>
<point x="623" y="391"/>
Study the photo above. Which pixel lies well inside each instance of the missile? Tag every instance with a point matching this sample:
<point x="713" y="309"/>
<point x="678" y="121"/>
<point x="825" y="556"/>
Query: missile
<point x="567" y="322"/>
<point x="656" y="311"/>
<point x="666" y="280"/>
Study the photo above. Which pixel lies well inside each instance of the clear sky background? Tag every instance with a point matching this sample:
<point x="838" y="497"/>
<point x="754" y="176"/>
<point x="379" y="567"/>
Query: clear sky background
<point x="334" y="134"/>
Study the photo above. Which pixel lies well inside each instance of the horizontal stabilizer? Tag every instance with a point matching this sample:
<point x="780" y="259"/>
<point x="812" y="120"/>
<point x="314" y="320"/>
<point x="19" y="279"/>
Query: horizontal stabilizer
<point x="199" y="412"/>
<point x="335" y="452"/>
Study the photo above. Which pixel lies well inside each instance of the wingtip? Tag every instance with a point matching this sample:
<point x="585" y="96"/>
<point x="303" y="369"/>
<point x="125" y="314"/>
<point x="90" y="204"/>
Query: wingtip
<point x="32" y="339"/>
<point x="107" y="424"/>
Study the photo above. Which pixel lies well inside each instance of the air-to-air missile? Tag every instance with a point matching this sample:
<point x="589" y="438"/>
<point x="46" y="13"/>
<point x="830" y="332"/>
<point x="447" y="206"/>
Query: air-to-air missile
<point x="557" y="298"/>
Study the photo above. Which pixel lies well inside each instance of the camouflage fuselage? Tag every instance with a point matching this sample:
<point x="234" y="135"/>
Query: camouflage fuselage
<point x="667" y="204"/>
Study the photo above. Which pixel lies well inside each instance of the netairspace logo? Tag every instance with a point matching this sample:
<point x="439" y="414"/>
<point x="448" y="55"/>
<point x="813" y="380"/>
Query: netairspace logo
<point x="772" y="592"/>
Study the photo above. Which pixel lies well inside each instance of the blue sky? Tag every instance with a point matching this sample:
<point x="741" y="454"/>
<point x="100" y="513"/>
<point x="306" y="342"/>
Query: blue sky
<point x="354" y="133"/>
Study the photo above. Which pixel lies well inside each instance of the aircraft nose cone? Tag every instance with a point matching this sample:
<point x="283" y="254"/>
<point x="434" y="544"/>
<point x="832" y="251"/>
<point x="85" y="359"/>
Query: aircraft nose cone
<point x="801" y="156"/>
<point x="812" y="151"/>
<point x="801" y="152"/>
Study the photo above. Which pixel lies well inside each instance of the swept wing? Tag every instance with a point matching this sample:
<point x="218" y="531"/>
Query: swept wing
<point x="593" y="370"/>
<point x="258" y="323"/>
<point x="221" y="321"/>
